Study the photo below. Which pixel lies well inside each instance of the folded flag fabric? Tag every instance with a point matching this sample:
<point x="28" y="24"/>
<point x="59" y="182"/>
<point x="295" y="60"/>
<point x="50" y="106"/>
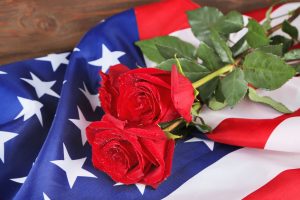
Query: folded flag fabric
<point x="46" y="103"/>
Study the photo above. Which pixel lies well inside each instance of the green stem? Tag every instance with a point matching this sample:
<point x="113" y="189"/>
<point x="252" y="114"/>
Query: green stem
<point x="294" y="15"/>
<point x="171" y="127"/>
<point x="283" y="15"/>
<point x="221" y="71"/>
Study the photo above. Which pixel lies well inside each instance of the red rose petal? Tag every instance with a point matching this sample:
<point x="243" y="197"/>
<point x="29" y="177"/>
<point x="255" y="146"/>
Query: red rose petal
<point x="152" y="132"/>
<point x="161" y="156"/>
<point x="116" y="122"/>
<point x="169" y="112"/>
<point x="169" y="151"/>
<point x="109" y="88"/>
<point x="115" y="72"/>
<point x="105" y="95"/>
<point x="182" y="93"/>
<point x="163" y="81"/>
<point x="130" y="155"/>
<point x="93" y="128"/>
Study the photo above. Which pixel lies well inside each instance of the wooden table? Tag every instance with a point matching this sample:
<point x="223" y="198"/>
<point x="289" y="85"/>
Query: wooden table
<point x="32" y="28"/>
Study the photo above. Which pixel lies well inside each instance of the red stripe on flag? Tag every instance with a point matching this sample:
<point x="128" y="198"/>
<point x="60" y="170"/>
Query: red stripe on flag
<point x="284" y="186"/>
<point x="296" y="46"/>
<point x="163" y="18"/>
<point x="247" y="132"/>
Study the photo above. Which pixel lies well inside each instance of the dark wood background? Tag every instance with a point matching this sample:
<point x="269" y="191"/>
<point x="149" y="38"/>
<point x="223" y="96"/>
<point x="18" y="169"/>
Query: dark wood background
<point x="31" y="28"/>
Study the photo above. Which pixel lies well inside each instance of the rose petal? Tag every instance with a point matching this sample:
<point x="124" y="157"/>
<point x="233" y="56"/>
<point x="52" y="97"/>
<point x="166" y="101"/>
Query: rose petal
<point x="169" y="152"/>
<point x="152" y="75"/>
<point x="138" y="103"/>
<point x="108" y="93"/>
<point x="161" y="157"/>
<point x="152" y="132"/>
<point x="130" y="155"/>
<point x="104" y="124"/>
<point x="93" y="128"/>
<point x="168" y="111"/>
<point x="115" y="72"/>
<point x="163" y="81"/>
<point x="116" y="122"/>
<point x="182" y="93"/>
<point x="105" y="96"/>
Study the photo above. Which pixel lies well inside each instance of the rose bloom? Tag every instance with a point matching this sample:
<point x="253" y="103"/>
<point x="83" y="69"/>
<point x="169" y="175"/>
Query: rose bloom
<point x="128" y="154"/>
<point x="147" y="95"/>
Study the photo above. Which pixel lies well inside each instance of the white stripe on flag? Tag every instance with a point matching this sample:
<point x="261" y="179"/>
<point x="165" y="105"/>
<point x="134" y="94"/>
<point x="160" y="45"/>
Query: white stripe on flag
<point x="236" y="175"/>
<point x="289" y="95"/>
<point x="187" y="36"/>
<point x="285" y="137"/>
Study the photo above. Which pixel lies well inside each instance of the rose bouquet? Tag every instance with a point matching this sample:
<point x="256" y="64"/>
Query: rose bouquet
<point x="127" y="143"/>
<point x="146" y="109"/>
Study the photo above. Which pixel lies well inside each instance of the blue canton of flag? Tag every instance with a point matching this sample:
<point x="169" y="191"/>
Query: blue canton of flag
<point x="46" y="104"/>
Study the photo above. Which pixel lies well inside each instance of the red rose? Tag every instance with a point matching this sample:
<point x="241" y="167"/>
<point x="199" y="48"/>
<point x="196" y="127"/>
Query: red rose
<point x="130" y="155"/>
<point x="147" y="95"/>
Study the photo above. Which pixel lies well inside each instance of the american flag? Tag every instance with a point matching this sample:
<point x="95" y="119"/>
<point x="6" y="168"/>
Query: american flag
<point x="46" y="103"/>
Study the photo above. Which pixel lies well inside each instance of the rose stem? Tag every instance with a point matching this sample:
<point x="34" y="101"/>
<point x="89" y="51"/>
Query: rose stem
<point x="229" y="68"/>
<point x="221" y="71"/>
<point x="173" y="125"/>
<point x="283" y="15"/>
<point x="295" y="14"/>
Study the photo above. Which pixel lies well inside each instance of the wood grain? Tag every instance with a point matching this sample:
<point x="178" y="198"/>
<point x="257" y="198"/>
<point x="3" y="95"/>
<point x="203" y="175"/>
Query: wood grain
<point x="32" y="28"/>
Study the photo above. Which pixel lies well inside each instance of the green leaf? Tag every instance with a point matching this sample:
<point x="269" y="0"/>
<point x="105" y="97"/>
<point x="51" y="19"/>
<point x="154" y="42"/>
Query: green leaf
<point x="215" y="105"/>
<point x="290" y="29"/>
<point x="221" y="47"/>
<point x="278" y="39"/>
<point x="209" y="57"/>
<point x="240" y="47"/>
<point x="191" y="70"/>
<point x="264" y="70"/>
<point x="206" y="90"/>
<point x="253" y="96"/>
<point x="234" y="87"/>
<point x="273" y="49"/>
<point x="204" y="128"/>
<point x="168" y="52"/>
<point x="200" y="124"/>
<point x="201" y="20"/>
<point x="256" y="35"/>
<point x="292" y="55"/>
<point x="219" y="94"/>
<point x="196" y="108"/>
<point x="149" y="47"/>
<point x="230" y="23"/>
<point x="298" y="68"/>
<point x="266" y="24"/>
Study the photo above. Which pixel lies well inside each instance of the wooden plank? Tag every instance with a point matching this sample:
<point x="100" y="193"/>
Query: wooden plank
<point x="34" y="28"/>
